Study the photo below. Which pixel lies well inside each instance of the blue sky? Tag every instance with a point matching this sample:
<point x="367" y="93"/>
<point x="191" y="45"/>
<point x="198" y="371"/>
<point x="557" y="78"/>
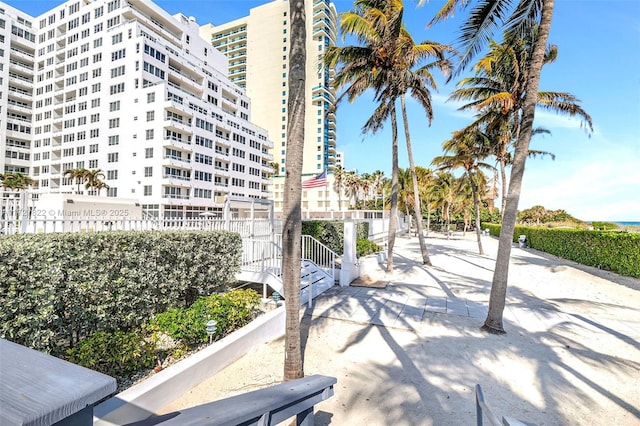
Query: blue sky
<point x="592" y="178"/>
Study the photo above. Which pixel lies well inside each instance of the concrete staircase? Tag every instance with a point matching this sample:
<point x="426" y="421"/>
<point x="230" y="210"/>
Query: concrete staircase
<point x="313" y="279"/>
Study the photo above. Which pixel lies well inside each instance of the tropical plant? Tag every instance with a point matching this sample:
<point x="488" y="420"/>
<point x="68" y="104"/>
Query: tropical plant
<point x="338" y="183"/>
<point x="78" y="174"/>
<point x="384" y="61"/>
<point x="15" y="181"/>
<point x="468" y="150"/>
<point x="526" y="17"/>
<point x="291" y="212"/>
<point x="94" y="180"/>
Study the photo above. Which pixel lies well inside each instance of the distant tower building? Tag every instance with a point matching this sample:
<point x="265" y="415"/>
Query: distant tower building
<point x="340" y="159"/>
<point x="124" y="87"/>
<point x="257" y="47"/>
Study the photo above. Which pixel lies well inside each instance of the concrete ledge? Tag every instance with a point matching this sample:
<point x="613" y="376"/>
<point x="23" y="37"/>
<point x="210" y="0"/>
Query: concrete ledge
<point x="142" y="400"/>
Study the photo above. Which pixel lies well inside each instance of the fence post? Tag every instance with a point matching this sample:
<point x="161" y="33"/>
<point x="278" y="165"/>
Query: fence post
<point x="349" y="255"/>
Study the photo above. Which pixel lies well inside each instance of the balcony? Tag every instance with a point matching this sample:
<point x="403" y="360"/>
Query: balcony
<point x="20" y="67"/>
<point x="177" y="180"/>
<point x="181" y="144"/>
<point x="178" y="125"/>
<point x="176" y="161"/>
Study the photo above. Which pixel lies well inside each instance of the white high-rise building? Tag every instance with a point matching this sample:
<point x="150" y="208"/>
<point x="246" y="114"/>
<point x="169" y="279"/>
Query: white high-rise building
<point x="257" y="47"/>
<point x="124" y="87"/>
<point x="17" y="52"/>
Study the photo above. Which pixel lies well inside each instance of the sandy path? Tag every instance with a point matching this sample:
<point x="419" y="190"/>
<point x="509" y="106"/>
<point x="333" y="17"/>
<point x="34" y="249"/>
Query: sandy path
<point x="571" y="355"/>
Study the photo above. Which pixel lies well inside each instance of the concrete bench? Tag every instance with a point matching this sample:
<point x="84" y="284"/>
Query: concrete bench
<point x="268" y="406"/>
<point x="39" y="389"/>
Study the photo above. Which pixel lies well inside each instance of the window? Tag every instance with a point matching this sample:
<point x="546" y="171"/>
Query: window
<point x="114" y="106"/>
<point x="149" y="134"/>
<point x="115" y="140"/>
<point x="112" y="174"/>
<point x="151" y="115"/>
<point x="93" y="164"/>
<point x="148" y="153"/>
<point x="147" y="190"/>
<point x="151" y="97"/>
<point x="112" y="157"/>
<point x="95" y="87"/>
<point x="117" y="71"/>
<point x="148" y="171"/>
<point x="93" y="148"/>
<point x="114" y="122"/>
<point x="117" y="88"/>
<point x="95" y="103"/>
<point x="112" y="192"/>
<point x="117" y="38"/>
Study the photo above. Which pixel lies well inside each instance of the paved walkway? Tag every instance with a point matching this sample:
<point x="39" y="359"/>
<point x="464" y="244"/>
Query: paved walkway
<point x="411" y="353"/>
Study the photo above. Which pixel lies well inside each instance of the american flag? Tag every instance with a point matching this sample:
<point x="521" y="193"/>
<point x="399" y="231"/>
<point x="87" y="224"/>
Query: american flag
<point x="316" y="181"/>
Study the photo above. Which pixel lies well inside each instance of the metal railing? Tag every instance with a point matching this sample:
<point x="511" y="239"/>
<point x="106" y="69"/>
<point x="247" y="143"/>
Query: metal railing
<point x="483" y="410"/>
<point x="319" y="254"/>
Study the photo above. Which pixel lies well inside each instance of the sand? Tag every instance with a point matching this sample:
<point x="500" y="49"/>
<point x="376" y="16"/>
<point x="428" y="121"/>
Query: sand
<point x="571" y="355"/>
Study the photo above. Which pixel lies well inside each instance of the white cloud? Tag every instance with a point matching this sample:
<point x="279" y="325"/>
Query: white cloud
<point x="602" y="187"/>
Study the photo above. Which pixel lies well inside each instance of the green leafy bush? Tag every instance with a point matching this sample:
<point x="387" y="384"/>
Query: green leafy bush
<point x="118" y="354"/>
<point x="57" y="289"/>
<point x="365" y="247"/>
<point x="331" y="233"/>
<point x="230" y="310"/>
<point x="613" y="251"/>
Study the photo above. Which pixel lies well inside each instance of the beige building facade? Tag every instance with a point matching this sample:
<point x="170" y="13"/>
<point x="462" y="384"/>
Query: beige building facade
<point x="257" y="47"/>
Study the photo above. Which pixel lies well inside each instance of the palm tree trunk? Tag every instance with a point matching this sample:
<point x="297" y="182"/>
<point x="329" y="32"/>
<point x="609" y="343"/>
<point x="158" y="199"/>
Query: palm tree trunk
<point x="393" y="213"/>
<point x="292" y="214"/>
<point x="417" y="206"/>
<point x="476" y="208"/>
<point x="493" y="323"/>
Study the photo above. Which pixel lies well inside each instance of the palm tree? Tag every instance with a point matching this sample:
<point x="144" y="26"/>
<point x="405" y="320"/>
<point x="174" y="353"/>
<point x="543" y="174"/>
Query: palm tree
<point x="497" y="91"/>
<point x="15" y="181"/>
<point x="467" y="150"/>
<point x="352" y="187"/>
<point x="526" y="15"/>
<point x="94" y="180"/>
<point x="292" y="214"/>
<point x="442" y="192"/>
<point x="385" y="64"/>
<point x="405" y="191"/>
<point x="377" y="183"/>
<point x="79" y="175"/>
<point x="425" y="180"/>
<point x="338" y="183"/>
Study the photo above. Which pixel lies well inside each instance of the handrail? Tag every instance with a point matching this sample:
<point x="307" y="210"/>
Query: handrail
<point x="268" y="406"/>
<point x="482" y="409"/>
<point x="318" y="253"/>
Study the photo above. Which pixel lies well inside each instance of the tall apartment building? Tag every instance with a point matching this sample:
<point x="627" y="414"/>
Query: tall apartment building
<point x="257" y="47"/>
<point x="17" y="52"/>
<point x="122" y="86"/>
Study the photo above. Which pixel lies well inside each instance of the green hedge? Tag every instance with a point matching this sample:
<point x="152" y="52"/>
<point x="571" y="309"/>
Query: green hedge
<point x="613" y="251"/>
<point x="59" y="288"/>
<point x="331" y="233"/>
<point x="169" y="334"/>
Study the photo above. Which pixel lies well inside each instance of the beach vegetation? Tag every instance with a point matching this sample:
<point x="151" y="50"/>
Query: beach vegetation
<point x="388" y="62"/>
<point x="165" y="337"/>
<point x="613" y="251"/>
<point x="58" y="289"/>
<point x="528" y="22"/>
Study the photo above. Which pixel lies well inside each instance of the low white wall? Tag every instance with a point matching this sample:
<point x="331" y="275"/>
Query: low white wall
<point x="142" y="400"/>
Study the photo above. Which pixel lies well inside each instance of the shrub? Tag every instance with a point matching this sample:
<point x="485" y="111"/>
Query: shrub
<point x="230" y="310"/>
<point x="613" y="251"/>
<point x="118" y="354"/>
<point x="57" y="289"/>
<point x="331" y="233"/>
<point x="365" y="247"/>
